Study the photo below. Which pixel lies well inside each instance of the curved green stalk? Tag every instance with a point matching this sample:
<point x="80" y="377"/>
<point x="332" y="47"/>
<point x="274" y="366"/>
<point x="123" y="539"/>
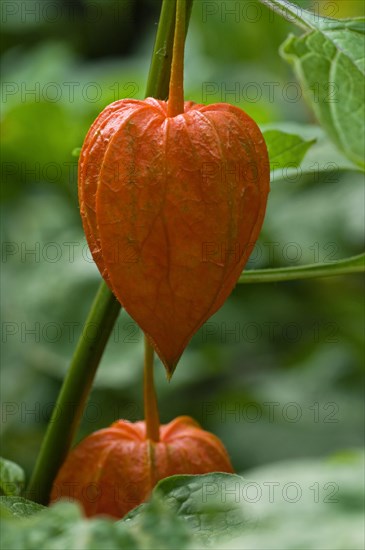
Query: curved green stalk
<point x="355" y="264"/>
<point x="103" y="313"/>
<point x="74" y="393"/>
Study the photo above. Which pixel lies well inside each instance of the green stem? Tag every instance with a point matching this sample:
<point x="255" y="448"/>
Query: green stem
<point x="150" y="400"/>
<point x="355" y="264"/>
<point x="74" y="393"/>
<point x="160" y="68"/>
<point x="103" y="314"/>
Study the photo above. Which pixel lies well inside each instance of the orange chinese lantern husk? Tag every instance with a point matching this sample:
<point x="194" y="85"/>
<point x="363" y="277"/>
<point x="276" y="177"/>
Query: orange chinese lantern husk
<point x="172" y="198"/>
<point x="114" y="469"/>
<point x="172" y="207"/>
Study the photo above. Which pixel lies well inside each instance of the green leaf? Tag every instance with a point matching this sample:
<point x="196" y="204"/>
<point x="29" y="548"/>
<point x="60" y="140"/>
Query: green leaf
<point x="290" y="497"/>
<point x="356" y="264"/>
<point x="12" y="478"/>
<point x="323" y="162"/>
<point x="274" y="507"/>
<point x="209" y="503"/>
<point x="330" y="65"/>
<point x="285" y="150"/>
<point x="18" y="507"/>
<point x="60" y="526"/>
<point x="333" y="85"/>
<point x="156" y="525"/>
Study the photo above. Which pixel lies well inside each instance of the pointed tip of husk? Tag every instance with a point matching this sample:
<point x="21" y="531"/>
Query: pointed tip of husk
<point x="170" y="368"/>
<point x="170" y="364"/>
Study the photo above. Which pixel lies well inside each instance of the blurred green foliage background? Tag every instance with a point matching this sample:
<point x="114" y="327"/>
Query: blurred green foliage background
<point x="277" y="372"/>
